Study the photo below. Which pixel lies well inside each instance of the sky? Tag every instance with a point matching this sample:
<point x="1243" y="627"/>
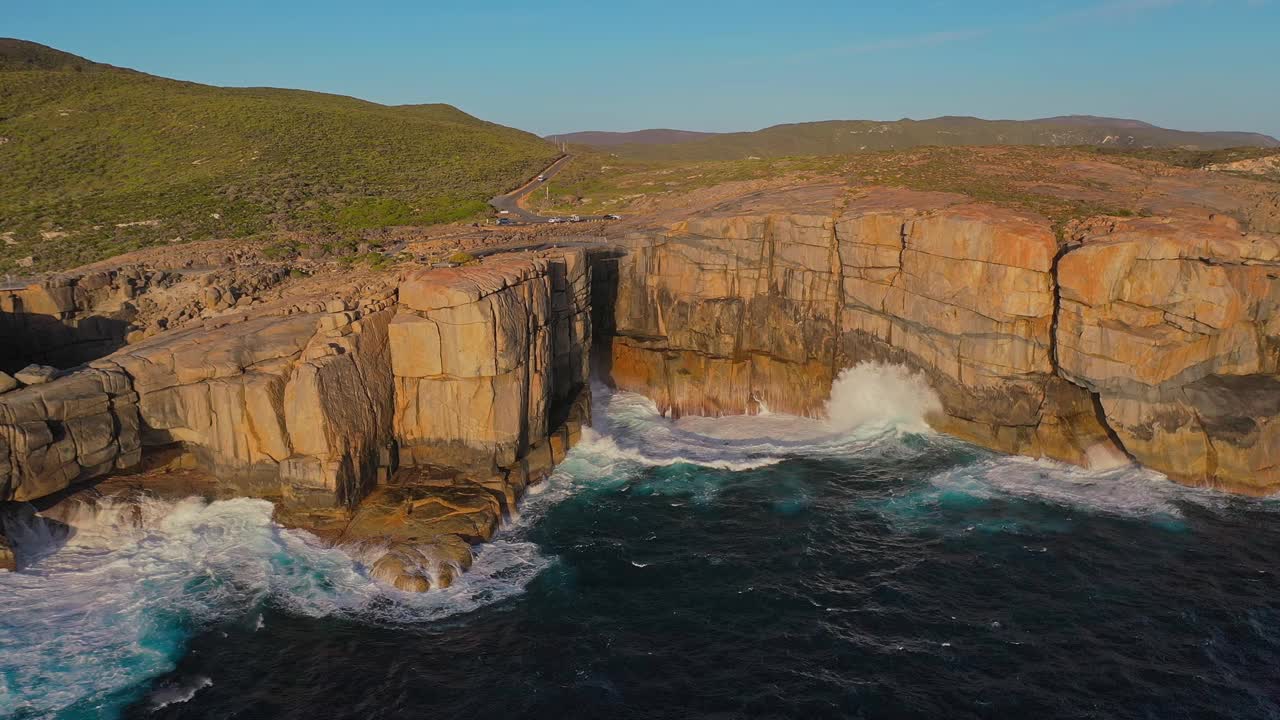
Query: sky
<point x="552" y="66"/>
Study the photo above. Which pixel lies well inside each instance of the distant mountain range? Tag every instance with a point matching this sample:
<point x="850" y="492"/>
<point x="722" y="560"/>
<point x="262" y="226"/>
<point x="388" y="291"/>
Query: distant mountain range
<point x="659" y="136"/>
<point x="849" y="136"/>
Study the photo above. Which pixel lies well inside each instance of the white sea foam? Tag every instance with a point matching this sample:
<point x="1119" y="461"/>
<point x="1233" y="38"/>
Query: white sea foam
<point x="109" y="603"/>
<point x="868" y="402"/>
<point x="1129" y="491"/>
<point x="880" y="395"/>
<point x="173" y="694"/>
<point x="113" y="594"/>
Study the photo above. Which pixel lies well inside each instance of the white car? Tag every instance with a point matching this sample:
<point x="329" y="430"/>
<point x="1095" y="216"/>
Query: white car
<point x="555" y="220"/>
<point x="612" y="216"/>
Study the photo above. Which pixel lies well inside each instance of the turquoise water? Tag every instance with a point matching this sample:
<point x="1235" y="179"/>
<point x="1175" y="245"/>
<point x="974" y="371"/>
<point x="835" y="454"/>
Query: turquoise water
<point x="741" y="567"/>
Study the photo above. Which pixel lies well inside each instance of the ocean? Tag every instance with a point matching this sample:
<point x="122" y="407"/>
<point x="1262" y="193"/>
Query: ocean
<point x="857" y="566"/>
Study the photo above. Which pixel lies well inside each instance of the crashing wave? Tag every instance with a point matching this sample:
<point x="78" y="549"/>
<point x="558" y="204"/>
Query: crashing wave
<point x="127" y="582"/>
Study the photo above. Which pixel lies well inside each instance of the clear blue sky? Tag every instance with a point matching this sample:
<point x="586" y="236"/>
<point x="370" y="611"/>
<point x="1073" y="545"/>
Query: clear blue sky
<point x="555" y="65"/>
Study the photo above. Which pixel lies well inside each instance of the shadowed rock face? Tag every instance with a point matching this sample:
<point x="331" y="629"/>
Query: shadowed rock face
<point x="1140" y="338"/>
<point x="79" y="317"/>
<point x="54" y="434"/>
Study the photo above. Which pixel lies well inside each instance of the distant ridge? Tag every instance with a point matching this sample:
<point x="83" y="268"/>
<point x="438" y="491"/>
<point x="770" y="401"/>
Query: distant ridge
<point x="1094" y="121"/>
<point x="850" y="136"/>
<point x="18" y="54"/>
<point x="658" y="136"/>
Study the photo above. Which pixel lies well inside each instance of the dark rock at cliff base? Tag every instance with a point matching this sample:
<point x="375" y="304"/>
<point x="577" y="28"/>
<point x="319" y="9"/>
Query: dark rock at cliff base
<point x="420" y="510"/>
<point x="8" y="561"/>
<point x="398" y="570"/>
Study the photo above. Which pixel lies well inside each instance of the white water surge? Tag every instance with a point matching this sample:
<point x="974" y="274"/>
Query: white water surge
<point x="868" y="402"/>
<point x="100" y="609"/>
<point x="110" y="602"/>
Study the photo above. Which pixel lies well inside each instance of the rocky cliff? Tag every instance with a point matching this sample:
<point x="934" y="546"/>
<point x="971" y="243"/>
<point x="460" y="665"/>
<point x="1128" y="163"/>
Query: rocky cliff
<point x="316" y="404"/>
<point x="414" y="408"/>
<point x="1150" y="339"/>
<point x="69" y="319"/>
<point x="495" y="346"/>
<point x="1174" y="325"/>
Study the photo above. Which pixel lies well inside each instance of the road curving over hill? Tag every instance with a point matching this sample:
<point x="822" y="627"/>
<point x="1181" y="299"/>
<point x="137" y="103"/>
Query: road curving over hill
<point x="510" y="202"/>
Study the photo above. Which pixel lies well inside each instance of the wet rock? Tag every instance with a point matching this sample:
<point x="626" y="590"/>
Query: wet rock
<point x="420" y="512"/>
<point x="8" y="561"/>
<point x="399" y="571"/>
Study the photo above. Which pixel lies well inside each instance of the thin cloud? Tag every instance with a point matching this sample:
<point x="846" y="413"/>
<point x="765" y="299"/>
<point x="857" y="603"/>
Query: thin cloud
<point x="1128" y="10"/>
<point x="910" y="42"/>
<point x="900" y="42"/>
<point x="1111" y="10"/>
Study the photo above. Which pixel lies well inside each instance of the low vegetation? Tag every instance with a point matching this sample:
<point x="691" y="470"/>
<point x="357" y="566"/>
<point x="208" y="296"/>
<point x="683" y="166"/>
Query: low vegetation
<point x="597" y="182"/>
<point x="1027" y="177"/>
<point x="99" y="160"/>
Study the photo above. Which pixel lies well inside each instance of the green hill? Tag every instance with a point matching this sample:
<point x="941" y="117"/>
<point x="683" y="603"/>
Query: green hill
<point x="98" y="160"/>
<point x="851" y="136"/>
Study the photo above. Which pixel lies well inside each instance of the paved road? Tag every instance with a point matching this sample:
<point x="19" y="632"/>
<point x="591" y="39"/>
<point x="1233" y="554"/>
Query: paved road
<point x="511" y="201"/>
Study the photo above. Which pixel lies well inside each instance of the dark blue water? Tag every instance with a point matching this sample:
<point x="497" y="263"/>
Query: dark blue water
<point x="899" y="576"/>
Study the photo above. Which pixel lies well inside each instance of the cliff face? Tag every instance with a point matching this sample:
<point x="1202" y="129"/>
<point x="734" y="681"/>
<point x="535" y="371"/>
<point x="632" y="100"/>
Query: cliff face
<point x="1147" y="338"/>
<point x="316" y="404"/>
<point x="78" y="427"/>
<point x="1153" y="339"/>
<point x="722" y="315"/>
<point x="480" y="355"/>
<point x="1174" y="325"/>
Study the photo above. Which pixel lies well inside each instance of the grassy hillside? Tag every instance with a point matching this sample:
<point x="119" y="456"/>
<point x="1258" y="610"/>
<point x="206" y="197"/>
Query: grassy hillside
<point x="852" y="136"/>
<point x="98" y="160"/>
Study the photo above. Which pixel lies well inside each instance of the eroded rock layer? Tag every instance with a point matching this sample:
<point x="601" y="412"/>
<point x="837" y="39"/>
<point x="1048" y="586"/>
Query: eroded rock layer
<point x="315" y="404"/>
<point x="479" y="356"/>
<point x="1174" y="325"/>
<point x="1145" y="338"/>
